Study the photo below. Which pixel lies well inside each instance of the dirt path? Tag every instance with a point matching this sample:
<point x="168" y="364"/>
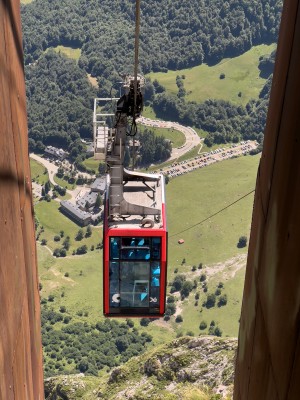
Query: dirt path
<point x="228" y="268"/>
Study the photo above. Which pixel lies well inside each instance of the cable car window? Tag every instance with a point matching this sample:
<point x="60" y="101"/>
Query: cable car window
<point x="114" y="284"/>
<point x="156" y="246"/>
<point x="134" y="284"/>
<point x="114" y="248"/>
<point x="155" y="274"/>
<point x="135" y="253"/>
<point x="135" y="272"/>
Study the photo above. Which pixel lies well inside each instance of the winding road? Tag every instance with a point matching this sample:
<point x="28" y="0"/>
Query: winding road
<point x="52" y="170"/>
<point x="191" y="140"/>
<point x="191" y="136"/>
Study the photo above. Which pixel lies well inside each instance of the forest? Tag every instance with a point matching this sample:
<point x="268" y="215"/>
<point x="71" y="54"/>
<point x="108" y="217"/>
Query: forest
<point x="81" y="347"/>
<point x="59" y="101"/>
<point x="174" y="35"/>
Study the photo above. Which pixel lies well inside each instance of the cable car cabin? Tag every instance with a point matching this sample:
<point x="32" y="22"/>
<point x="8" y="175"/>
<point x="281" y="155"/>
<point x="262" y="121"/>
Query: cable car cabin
<point x="135" y="252"/>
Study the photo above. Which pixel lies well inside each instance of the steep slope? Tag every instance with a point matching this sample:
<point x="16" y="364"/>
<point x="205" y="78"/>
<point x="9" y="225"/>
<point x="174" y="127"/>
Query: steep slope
<point x="187" y="368"/>
<point x="174" y="34"/>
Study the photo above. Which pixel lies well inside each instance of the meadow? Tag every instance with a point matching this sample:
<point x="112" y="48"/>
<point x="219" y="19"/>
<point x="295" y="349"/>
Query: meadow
<point x="63" y="183"/>
<point x="203" y="82"/>
<point x="195" y="196"/>
<point x="91" y="163"/>
<point x="53" y="221"/>
<point x="69" y="52"/>
<point x="191" y="198"/>
<point x="176" y="137"/>
<point x="38" y="172"/>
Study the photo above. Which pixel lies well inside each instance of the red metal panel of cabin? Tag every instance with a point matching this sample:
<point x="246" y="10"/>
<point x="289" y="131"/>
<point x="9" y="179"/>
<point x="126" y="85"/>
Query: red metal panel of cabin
<point x="146" y="232"/>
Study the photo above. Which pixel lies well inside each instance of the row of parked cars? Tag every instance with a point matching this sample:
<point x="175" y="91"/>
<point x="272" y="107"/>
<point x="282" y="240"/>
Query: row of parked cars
<point x="204" y="159"/>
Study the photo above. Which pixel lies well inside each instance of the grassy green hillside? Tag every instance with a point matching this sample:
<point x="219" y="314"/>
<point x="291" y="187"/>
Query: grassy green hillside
<point x="38" y="172"/>
<point x="53" y="221"/>
<point x="195" y="196"/>
<point x="82" y="288"/>
<point x="91" y="163"/>
<point x="70" y="52"/>
<point x="203" y="82"/>
<point x="190" y="198"/>
<point x="177" y="138"/>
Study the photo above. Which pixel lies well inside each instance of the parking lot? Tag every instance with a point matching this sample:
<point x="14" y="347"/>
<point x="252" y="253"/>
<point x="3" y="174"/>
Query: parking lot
<point x="205" y="159"/>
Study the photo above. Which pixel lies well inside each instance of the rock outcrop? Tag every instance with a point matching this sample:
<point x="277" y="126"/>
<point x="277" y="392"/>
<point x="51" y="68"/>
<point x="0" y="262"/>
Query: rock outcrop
<point x="202" y="367"/>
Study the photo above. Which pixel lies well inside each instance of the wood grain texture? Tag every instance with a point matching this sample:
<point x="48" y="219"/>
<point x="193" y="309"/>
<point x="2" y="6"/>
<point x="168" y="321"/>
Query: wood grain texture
<point x="268" y="353"/>
<point x="21" y="372"/>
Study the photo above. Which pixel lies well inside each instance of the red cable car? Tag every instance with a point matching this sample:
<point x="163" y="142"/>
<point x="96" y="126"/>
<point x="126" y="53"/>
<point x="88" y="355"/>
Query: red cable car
<point x="135" y="259"/>
<point x="134" y="229"/>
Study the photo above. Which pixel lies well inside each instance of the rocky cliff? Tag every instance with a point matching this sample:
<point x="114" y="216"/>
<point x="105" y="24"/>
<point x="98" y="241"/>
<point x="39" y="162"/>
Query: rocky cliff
<point x="187" y="368"/>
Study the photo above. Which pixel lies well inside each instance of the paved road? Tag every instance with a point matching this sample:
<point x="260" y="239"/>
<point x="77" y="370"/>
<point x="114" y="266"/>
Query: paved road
<point x="52" y="168"/>
<point x="78" y="192"/>
<point x="191" y="136"/>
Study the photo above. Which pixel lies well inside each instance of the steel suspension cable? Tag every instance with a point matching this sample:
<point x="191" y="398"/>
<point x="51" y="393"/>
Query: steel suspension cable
<point x="136" y="64"/>
<point x="136" y="51"/>
<point x="212" y="215"/>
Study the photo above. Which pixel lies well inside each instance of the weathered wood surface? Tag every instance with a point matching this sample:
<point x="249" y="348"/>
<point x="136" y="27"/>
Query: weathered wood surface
<point x="21" y="373"/>
<point x="268" y="359"/>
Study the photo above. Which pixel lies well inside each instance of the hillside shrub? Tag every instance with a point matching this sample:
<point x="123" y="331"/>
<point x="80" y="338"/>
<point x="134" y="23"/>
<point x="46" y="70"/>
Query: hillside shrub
<point x="178" y="282"/>
<point x="170" y="299"/>
<point x="170" y="309"/>
<point x="210" y="300"/>
<point x="178" y="319"/>
<point x="187" y="287"/>
<point x="203" y="325"/>
<point x="242" y="242"/>
<point x="145" y="321"/>
<point x="222" y="300"/>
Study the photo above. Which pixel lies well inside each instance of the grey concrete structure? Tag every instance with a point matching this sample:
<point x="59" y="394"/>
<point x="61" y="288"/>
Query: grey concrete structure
<point x="87" y="201"/>
<point x="55" y="152"/>
<point x="74" y="212"/>
<point x="99" y="185"/>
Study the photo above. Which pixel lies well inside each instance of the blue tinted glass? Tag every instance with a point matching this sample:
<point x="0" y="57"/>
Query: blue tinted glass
<point x="155" y="274"/>
<point x="114" y="284"/>
<point x="135" y="254"/>
<point x="114" y="248"/>
<point x="156" y="246"/>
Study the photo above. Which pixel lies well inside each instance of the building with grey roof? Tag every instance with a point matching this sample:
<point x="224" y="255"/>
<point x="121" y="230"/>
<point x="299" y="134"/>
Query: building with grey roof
<point x="87" y="201"/>
<point x="99" y="185"/>
<point x="75" y="213"/>
<point x="55" y="152"/>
